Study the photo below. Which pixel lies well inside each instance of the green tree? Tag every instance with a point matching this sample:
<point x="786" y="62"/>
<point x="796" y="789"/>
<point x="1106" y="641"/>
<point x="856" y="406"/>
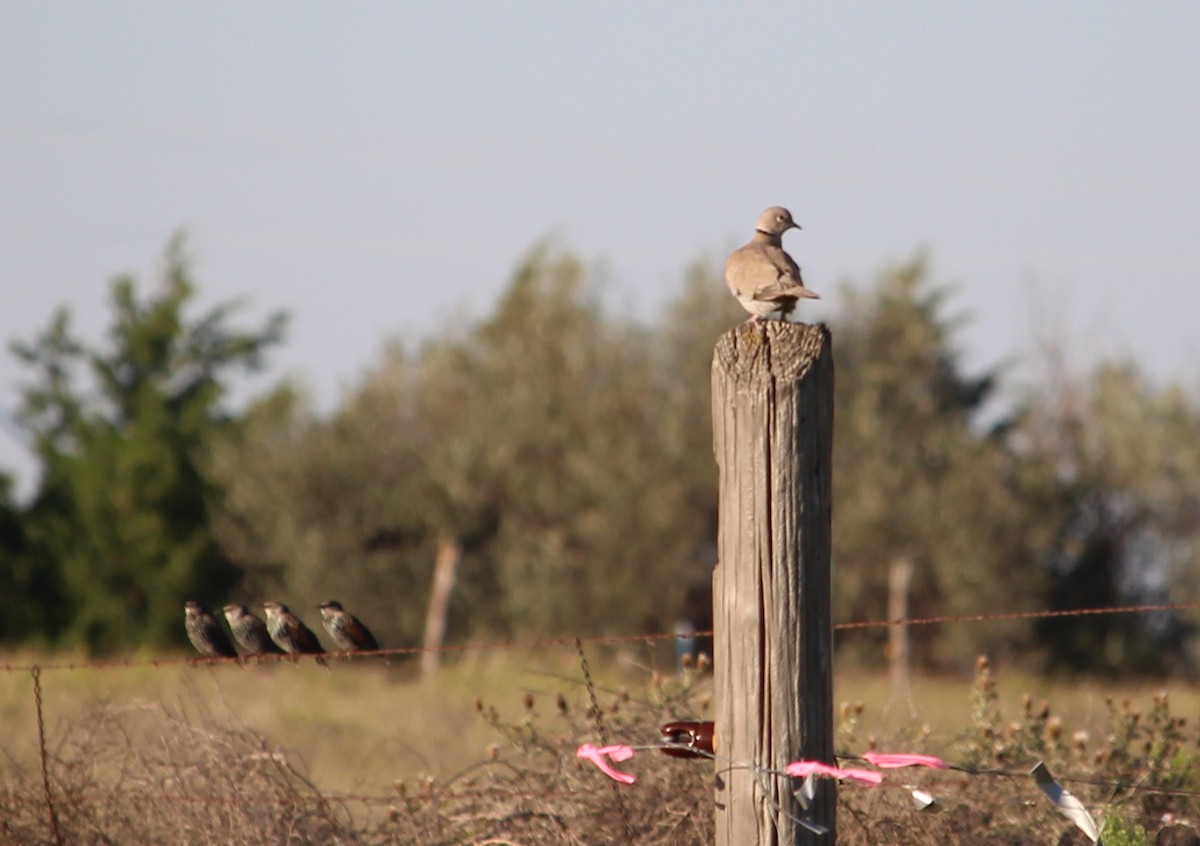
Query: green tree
<point x="562" y="418"/>
<point x="333" y="508"/>
<point x="687" y="332"/>
<point x="30" y="596"/>
<point x="914" y="479"/>
<point x="1127" y="466"/>
<point x="125" y="505"/>
<point x="539" y="439"/>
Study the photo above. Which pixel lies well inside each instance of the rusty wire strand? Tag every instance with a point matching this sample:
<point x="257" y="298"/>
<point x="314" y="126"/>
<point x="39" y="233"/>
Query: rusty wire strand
<point x="1116" y="780"/>
<point x="1020" y="615"/>
<point x="598" y="639"/>
<point x="48" y="799"/>
<point x="596" y="715"/>
<point x="36" y="672"/>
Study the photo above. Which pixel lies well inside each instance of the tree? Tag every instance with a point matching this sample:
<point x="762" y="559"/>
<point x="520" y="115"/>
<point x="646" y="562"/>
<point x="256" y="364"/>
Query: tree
<point x="563" y="418"/>
<point x="30" y="595"/>
<point x="567" y="453"/>
<point x="353" y="525"/>
<point x="1126" y="464"/>
<point x="913" y="479"/>
<point x="125" y="505"/>
<point x="539" y="440"/>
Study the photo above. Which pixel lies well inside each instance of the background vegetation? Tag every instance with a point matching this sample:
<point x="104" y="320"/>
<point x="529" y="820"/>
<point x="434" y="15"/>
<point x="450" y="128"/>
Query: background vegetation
<point x="484" y="754"/>
<point x="565" y="448"/>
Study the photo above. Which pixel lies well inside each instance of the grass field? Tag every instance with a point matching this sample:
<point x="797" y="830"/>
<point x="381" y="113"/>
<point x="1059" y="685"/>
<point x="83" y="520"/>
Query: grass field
<point x="362" y="728"/>
<point x="349" y="727"/>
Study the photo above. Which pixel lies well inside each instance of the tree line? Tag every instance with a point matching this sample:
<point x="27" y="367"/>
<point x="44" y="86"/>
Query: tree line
<point x="563" y="451"/>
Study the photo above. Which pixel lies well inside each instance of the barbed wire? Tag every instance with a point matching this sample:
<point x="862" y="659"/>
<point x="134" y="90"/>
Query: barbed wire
<point x="1021" y="615"/>
<point x="1114" y="783"/>
<point x="36" y="672"/>
<point x="1126" y="784"/>
<point x="550" y="642"/>
<point x="597" y="716"/>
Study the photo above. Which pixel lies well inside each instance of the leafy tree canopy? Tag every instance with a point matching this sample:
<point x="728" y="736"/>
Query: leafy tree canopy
<point x="122" y="516"/>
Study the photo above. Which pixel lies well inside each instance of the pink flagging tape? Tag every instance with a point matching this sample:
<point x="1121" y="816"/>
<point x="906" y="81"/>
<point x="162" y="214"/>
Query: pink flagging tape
<point x="887" y="761"/>
<point x="1068" y="805"/>
<point x="597" y="756"/>
<point x="800" y="769"/>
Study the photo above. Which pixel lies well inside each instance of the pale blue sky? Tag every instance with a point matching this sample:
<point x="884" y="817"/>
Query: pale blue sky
<point x="374" y="168"/>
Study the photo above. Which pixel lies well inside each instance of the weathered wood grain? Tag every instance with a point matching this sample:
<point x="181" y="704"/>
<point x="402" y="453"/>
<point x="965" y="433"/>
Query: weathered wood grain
<point x="772" y="399"/>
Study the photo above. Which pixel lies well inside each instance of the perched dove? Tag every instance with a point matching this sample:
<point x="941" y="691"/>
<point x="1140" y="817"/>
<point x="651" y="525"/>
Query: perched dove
<point x="761" y="275"/>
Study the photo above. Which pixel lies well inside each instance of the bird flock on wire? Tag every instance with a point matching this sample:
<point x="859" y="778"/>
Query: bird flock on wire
<point x="282" y="631"/>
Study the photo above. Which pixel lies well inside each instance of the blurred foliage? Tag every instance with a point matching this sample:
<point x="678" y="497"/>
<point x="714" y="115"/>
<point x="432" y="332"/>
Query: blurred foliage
<point x="120" y="530"/>
<point x="915" y="481"/>
<point x="1126" y="459"/>
<point x="27" y="591"/>
<point x="567" y="452"/>
<point x="547" y="440"/>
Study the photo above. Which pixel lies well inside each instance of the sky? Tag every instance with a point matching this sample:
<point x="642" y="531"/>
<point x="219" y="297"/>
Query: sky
<point x="378" y="169"/>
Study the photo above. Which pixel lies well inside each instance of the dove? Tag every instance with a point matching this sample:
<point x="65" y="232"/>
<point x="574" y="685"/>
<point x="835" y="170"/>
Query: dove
<point x="764" y="278"/>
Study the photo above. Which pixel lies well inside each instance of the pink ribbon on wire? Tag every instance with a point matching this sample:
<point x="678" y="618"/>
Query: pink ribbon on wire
<point x="597" y="756"/>
<point x="887" y="761"/>
<point x="800" y="769"/>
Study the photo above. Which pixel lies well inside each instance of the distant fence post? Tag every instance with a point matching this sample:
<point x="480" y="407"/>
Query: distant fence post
<point x="773" y="438"/>
<point x="445" y="572"/>
<point x="899" y="649"/>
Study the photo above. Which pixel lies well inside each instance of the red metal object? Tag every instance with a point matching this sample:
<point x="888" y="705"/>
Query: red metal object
<point x="689" y="739"/>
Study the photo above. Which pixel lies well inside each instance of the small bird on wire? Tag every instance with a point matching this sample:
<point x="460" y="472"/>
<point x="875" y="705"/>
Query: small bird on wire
<point x="289" y="634"/>
<point x="764" y="278"/>
<point x="205" y="632"/>
<point x="346" y="630"/>
<point x="249" y="631"/>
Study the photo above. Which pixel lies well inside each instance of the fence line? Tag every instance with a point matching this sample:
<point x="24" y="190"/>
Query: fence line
<point x="537" y="643"/>
<point x="1021" y="615"/>
<point x="1113" y="783"/>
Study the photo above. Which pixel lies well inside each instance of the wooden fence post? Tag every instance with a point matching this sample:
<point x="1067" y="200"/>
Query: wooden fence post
<point x="899" y="648"/>
<point x="445" y="573"/>
<point x="773" y="438"/>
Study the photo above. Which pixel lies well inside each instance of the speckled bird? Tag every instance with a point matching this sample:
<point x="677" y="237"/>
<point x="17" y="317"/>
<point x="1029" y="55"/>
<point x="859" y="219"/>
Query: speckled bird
<point x="249" y="631"/>
<point x="346" y="630"/>
<point x="205" y="632"/>
<point x="289" y="634"/>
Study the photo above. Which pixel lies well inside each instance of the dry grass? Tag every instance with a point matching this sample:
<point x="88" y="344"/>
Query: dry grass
<point x="146" y="774"/>
<point x="484" y="755"/>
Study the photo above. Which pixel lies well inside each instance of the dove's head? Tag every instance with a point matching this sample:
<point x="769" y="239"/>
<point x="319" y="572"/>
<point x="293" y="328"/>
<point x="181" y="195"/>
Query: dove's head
<point x="775" y="221"/>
